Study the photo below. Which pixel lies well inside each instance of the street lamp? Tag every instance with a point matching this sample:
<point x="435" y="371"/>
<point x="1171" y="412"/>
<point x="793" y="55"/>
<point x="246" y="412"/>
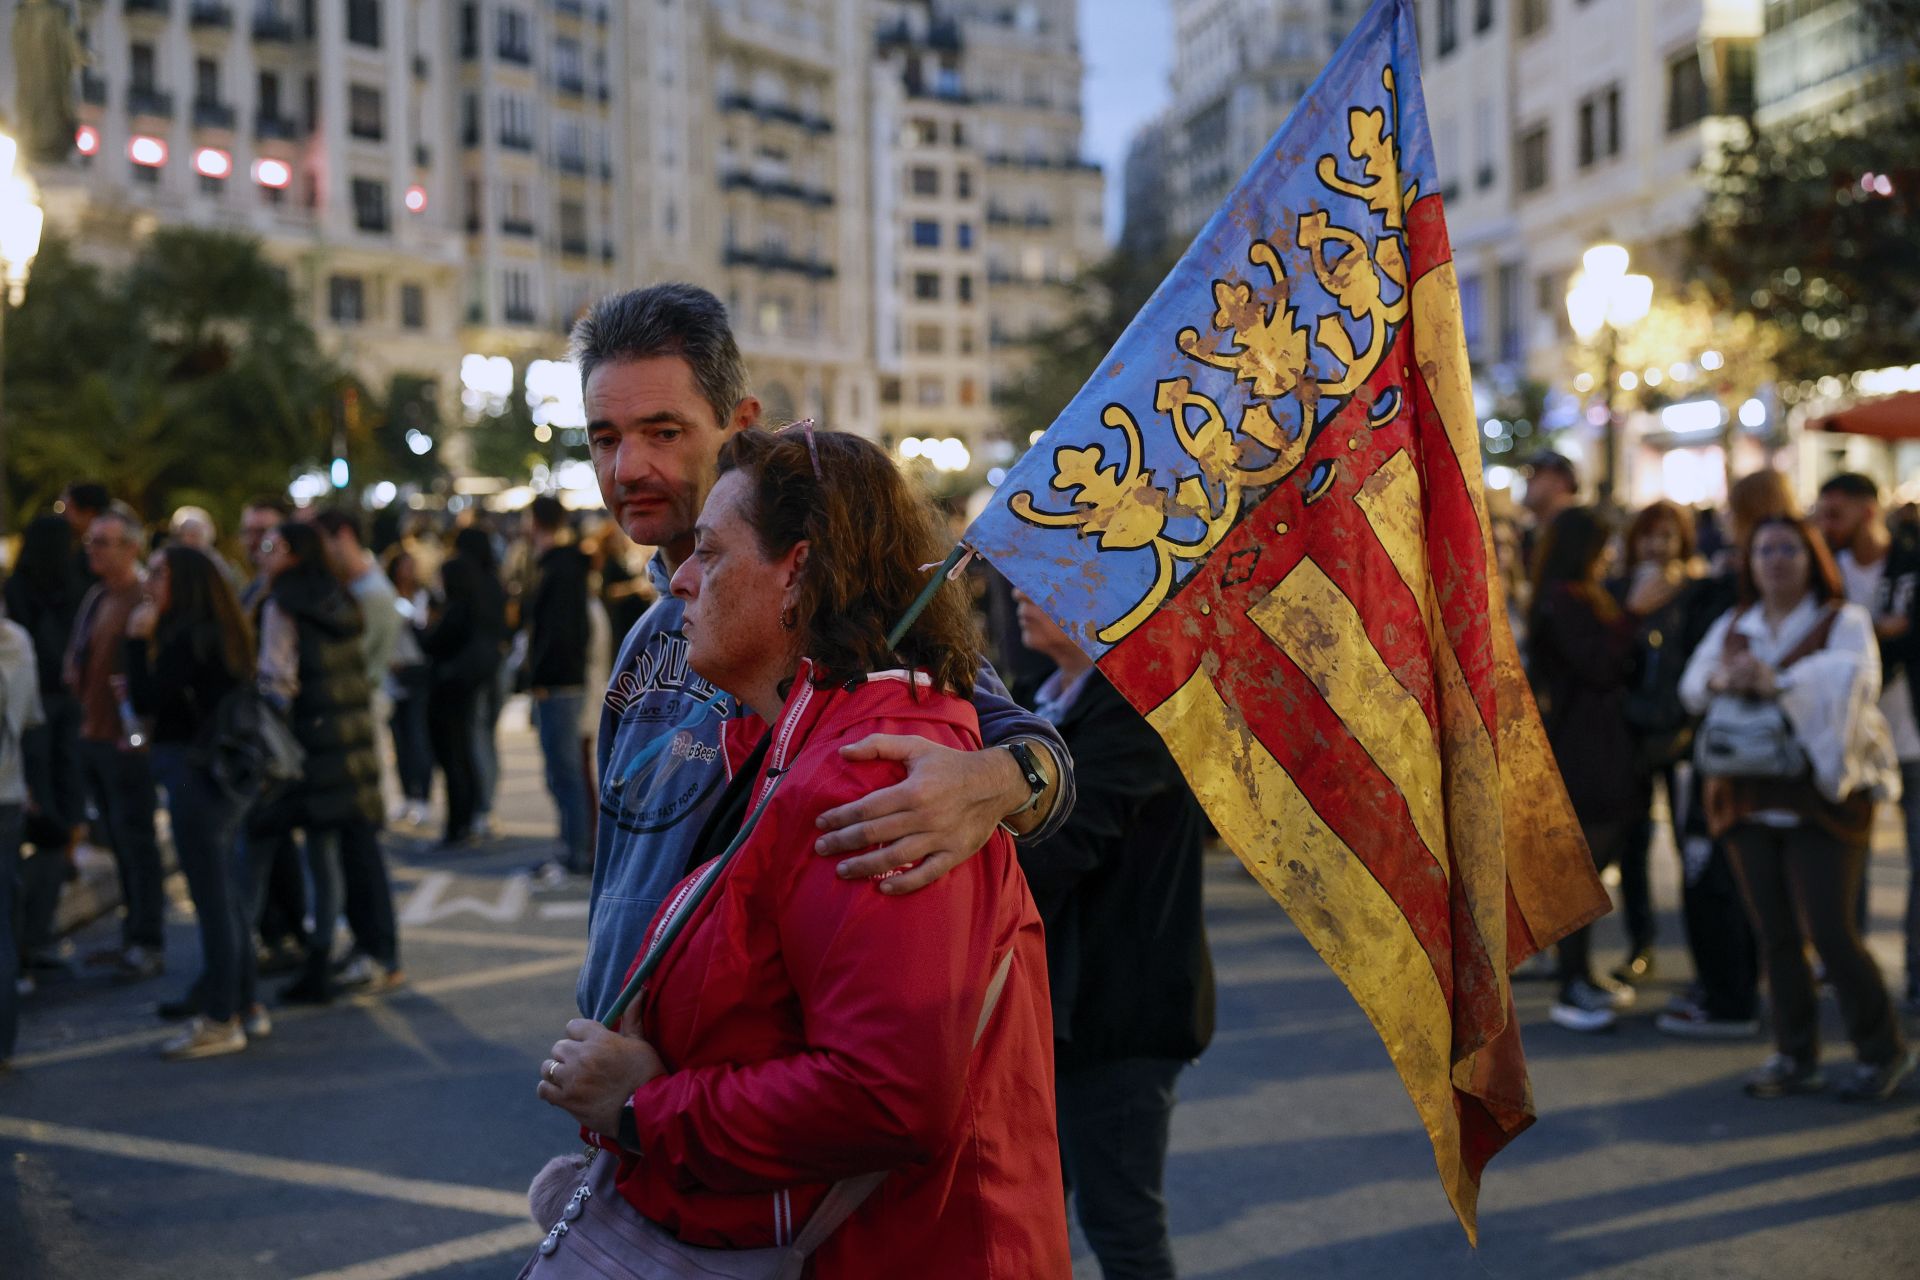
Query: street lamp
<point x="1604" y="298"/>
<point x="20" y="222"/>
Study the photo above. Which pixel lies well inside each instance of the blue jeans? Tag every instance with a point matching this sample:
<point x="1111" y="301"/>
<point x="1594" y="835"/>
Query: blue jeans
<point x="122" y="783"/>
<point x="486" y="745"/>
<point x="412" y="748"/>
<point x="12" y="818"/>
<point x="557" y="717"/>
<point x="205" y="822"/>
<point x="1114" y="1119"/>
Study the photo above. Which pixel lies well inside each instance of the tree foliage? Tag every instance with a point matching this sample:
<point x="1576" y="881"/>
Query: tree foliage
<point x="1815" y="233"/>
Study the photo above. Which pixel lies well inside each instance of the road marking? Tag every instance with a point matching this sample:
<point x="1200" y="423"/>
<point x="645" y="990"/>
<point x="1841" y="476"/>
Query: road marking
<point x="565" y="910"/>
<point x="306" y="1173"/>
<point x="482" y="938"/>
<point x="575" y="953"/>
<point x="424" y="905"/>
<point x="435" y="1257"/>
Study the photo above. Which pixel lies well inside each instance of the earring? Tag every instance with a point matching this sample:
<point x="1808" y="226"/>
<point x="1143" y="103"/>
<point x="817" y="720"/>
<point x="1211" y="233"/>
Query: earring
<point x="789" y="618"/>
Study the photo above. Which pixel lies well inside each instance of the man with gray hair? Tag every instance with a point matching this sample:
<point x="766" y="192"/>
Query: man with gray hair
<point x="113" y="754"/>
<point x="665" y="387"/>
<point x="194" y="527"/>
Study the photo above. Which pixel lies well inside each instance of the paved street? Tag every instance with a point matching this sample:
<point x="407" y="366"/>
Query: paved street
<point x="385" y="1139"/>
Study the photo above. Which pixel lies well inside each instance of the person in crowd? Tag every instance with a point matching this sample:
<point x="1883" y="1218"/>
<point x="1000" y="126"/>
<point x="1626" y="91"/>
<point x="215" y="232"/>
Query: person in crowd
<point x="1800" y="845"/>
<point x="1118" y="887"/>
<point x="665" y="386"/>
<point x="555" y="615"/>
<point x="1656" y="588"/>
<point x="188" y="647"/>
<point x="194" y="527"/>
<point x="1552" y="486"/>
<point x="1580" y="651"/>
<point x="1882" y="576"/>
<point x="375" y="960"/>
<point x="313" y="668"/>
<point x="818" y="1030"/>
<point x="475" y="545"/>
<point x="79" y="503"/>
<point x="43" y="594"/>
<point x="283" y="905"/>
<point x="408" y="684"/>
<point x="1723" y="1001"/>
<point x="462" y="645"/>
<point x="113" y="752"/>
<point x="19" y="713"/>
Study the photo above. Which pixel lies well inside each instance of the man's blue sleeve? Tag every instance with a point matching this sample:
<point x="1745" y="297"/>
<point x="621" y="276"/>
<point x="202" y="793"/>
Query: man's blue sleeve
<point x="1002" y="719"/>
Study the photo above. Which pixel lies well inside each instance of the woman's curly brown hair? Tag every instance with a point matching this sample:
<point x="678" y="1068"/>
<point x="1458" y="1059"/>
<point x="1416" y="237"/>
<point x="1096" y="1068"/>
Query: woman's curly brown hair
<point x="868" y="532"/>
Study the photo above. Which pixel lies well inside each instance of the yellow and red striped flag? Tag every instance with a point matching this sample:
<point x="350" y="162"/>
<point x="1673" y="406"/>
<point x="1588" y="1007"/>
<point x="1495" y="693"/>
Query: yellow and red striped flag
<point x="1263" y="517"/>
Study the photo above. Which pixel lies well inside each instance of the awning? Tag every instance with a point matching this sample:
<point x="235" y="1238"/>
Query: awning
<point x="1895" y="417"/>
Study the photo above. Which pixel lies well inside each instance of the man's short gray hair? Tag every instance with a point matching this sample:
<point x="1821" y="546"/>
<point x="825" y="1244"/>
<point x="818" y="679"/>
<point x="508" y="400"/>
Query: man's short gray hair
<point x="129" y="520"/>
<point x="666" y="320"/>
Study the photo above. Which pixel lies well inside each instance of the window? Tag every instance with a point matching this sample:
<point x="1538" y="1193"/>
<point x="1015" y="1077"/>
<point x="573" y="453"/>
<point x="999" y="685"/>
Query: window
<point x="889" y="391"/>
<point x="573" y="227"/>
<point x="1599" y="126"/>
<point x="363" y="23"/>
<point x="969" y="392"/>
<point x="413" y="306"/>
<point x="926" y="286"/>
<point x="1449" y="26"/>
<point x="1535" y="171"/>
<point x="140" y="66"/>
<point x="1511" y="306"/>
<point x="1470" y="316"/>
<point x="516" y="123"/>
<point x="516" y="289"/>
<point x="963" y="184"/>
<point x="931" y="393"/>
<point x="967" y="340"/>
<point x="1736" y="78"/>
<point x="364" y="113"/>
<point x="926" y="133"/>
<point x="1483" y="135"/>
<point x="1482" y="15"/>
<point x="928" y="339"/>
<point x="514" y="42"/>
<point x="963" y="234"/>
<point x="926" y="233"/>
<point x="1686" y="90"/>
<point x="569" y="71"/>
<point x="206" y="80"/>
<point x="269" y="96"/>
<point x="924" y="180"/>
<point x="1534" y="15"/>
<point x="346" y="299"/>
<point x="964" y="285"/>
<point x="369" y="204"/>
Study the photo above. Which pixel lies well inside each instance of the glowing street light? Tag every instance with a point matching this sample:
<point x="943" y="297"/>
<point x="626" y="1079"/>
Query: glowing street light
<point x="1604" y="298"/>
<point x="21" y="222"/>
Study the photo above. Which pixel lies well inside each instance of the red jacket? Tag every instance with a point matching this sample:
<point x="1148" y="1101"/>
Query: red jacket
<point x="814" y="1028"/>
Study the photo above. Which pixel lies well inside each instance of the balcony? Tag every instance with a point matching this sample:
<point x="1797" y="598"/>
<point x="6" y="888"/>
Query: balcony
<point x="1071" y="164"/>
<point x="607" y="253"/>
<point x="521" y="315"/>
<point x="777" y="189"/>
<point x="516" y="227"/>
<point x="776" y="111"/>
<point x="210" y="15"/>
<point x="150" y="102"/>
<point x="770" y="259"/>
<point x="575" y="246"/>
<point x="520" y="55"/>
<point x="570" y="8"/>
<point x="570" y="86"/>
<point x="366" y="131"/>
<point x="273" y="28"/>
<point x="273" y="125"/>
<point x="423" y="156"/>
<point x="157" y="8"/>
<point x="571" y="166"/>
<point x="516" y="142"/>
<point x="212" y="115"/>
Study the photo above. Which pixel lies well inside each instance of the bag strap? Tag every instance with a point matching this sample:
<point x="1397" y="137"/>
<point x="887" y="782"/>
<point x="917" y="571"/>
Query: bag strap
<point x="848" y="1194"/>
<point x="1811" y="643"/>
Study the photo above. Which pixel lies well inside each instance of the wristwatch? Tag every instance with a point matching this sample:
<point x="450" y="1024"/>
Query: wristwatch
<point x="1023" y="756"/>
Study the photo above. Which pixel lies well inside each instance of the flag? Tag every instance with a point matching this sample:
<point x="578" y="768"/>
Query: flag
<point x="1263" y="518"/>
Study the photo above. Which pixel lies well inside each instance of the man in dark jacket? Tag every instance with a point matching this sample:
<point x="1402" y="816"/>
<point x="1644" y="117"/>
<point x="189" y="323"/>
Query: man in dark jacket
<point x="1132" y="981"/>
<point x="555" y="614"/>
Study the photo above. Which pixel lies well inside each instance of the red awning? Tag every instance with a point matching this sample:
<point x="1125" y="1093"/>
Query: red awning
<point x="1895" y="417"/>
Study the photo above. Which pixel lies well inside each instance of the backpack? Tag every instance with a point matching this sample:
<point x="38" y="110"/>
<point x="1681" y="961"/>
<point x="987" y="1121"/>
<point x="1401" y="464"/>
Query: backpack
<point x="251" y="751"/>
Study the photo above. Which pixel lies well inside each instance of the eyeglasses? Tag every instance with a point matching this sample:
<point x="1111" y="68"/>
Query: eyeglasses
<point x="102" y="540"/>
<point x="806" y="425"/>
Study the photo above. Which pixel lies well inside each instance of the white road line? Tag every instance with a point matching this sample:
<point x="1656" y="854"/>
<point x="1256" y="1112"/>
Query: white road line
<point x="506" y="973"/>
<point x="424" y="905"/>
<point x="435" y="1257"/>
<point x="482" y="938"/>
<point x="94" y="1048"/>
<point x="306" y="1173"/>
<point x="565" y="910"/>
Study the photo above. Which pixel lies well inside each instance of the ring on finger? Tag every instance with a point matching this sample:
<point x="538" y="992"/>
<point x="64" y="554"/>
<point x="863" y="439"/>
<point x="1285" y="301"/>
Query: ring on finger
<point x="548" y="1069"/>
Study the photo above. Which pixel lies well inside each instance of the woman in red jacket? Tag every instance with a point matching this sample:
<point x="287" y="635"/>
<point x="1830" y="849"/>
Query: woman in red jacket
<point x="803" y="1028"/>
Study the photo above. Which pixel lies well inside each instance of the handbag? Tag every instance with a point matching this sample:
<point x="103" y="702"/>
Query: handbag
<point x="1748" y="737"/>
<point x="599" y="1235"/>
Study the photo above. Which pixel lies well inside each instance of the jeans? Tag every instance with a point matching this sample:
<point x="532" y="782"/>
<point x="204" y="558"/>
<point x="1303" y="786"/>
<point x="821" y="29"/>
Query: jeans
<point x="122" y="783"/>
<point x="329" y="891"/>
<point x="1114" y="1119"/>
<point x="206" y="821"/>
<point x="557" y="717"/>
<point x="1636" y="881"/>
<point x="369" y="894"/>
<point x="488" y="699"/>
<point x="1910" y="808"/>
<point x="12" y="819"/>
<point x="412" y="748"/>
<point x="51" y="754"/>
<point x="1802" y="873"/>
<point x="1604" y="842"/>
<point x="450" y="724"/>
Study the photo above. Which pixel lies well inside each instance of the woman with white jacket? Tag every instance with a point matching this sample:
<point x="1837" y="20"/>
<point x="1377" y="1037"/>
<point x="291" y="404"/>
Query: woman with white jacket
<point x="1800" y="844"/>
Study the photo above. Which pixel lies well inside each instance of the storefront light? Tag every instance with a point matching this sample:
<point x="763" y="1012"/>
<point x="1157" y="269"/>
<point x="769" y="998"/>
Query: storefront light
<point x="147" y="151"/>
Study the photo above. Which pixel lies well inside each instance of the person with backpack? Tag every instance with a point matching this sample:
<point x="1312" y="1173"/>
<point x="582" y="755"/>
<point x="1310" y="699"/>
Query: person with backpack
<point x="1795" y="754"/>
<point x="188" y="650"/>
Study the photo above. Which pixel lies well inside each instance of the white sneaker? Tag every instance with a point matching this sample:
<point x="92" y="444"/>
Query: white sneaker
<point x="483" y="826"/>
<point x="204" y="1039"/>
<point x="258" y="1025"/>
<point x="418" y="814"/>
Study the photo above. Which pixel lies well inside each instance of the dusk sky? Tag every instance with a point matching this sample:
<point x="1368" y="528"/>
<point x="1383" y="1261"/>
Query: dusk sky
<point x="1128" y="49"/>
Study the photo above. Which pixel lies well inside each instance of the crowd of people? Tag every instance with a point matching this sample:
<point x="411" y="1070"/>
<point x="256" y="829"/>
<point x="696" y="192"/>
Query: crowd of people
<point x="1761" y="684"/>
<point x="862" y="922"/>
<point x="132" y="654"/>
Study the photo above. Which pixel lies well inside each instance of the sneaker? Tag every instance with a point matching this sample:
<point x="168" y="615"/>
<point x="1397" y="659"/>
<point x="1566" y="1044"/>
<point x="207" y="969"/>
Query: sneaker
<point x="137" y="964"/>
<point x="1780" y="1075"/>
<point x="418" y="814"/>
<point x="1877" y="1084"/>
<point x="1635" y="969"/>
<point x="1695" y="1024"/>
<point x="357" y="970"/>
<point x="257" y="1024"/>
<point x="483" y="826"/>
<point x="549" y="874"/>
<point x="1583" y="1007"/>
<point x="204" y="1039"/>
